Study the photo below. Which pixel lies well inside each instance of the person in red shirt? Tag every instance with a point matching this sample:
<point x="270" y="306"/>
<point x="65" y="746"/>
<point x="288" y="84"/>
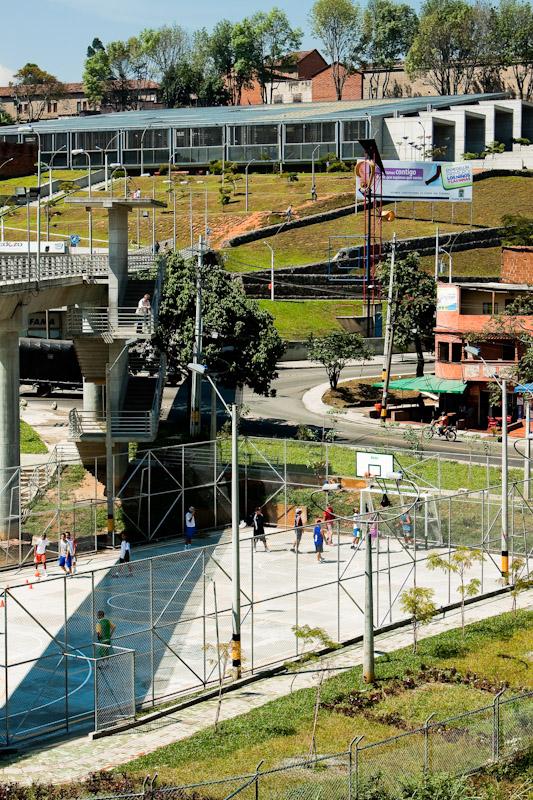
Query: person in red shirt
<point x="329" y="516"/>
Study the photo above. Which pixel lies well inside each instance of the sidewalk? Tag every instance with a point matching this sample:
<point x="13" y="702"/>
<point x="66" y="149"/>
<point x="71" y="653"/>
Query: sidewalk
<point x="397" y="358"/>
<point x="76" y="758"/>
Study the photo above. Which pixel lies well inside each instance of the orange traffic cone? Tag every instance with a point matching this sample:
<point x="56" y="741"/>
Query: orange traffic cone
<point x="2" y="604"/>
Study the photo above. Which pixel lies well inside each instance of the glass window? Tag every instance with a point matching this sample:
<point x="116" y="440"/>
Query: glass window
<point x="93" y="140"/>
<point x="353" y="131"/>
<point x="444" y="351"/>
<point x="294" y="134"/>
<point x="487" y="308"/>
<point x="457" y="352"/>
<point x="206" y="137"/>
<point x="508" y="351"/>
<point x="182" y="137"/>
<point x="156" y="137"/>
<point x="255" y="134"/>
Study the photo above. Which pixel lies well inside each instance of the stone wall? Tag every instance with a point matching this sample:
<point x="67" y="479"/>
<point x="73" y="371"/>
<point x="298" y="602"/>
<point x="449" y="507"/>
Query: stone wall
<point x="517" y="265"/>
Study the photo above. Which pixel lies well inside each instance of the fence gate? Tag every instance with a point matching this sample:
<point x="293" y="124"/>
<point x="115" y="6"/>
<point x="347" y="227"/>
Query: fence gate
<point x="114" y="685"/>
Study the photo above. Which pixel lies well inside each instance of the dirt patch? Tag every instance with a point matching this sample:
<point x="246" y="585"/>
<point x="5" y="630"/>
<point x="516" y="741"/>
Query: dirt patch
<point x="359" y="392"/>
<point x="89" y="487"/>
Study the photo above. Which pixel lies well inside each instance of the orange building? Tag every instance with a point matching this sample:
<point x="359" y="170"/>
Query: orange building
<point x="474" y="308"/>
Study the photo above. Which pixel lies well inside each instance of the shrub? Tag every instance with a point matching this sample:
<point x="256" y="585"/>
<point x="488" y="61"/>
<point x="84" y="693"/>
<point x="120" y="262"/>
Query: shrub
<point x="521" y="140"/>
<point x="163" y="169"/>
<point x="471" y="156"/>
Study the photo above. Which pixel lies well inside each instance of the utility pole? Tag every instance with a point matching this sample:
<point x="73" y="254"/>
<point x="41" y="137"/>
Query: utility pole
<point x="505" y="495"/>
<point x="368" y="636"/>
<point x="527" y="451"/>
<point x="368" y="255"/>
<point x="436" y="254"/>
<point x="235" y="549"/>
<point x="196" y="389"/>
<point x="389" y="337"/>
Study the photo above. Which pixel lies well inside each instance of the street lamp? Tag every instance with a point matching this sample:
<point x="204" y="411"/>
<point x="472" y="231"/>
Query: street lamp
<point x="50" y="170"/>
<point x="313" y="184"/>
<point x="251" y="161"/>
<point x="5" y="162"/>
<point x="106" y="157"/>
<point x="31" y="129"/>
<point x="142" y="147"/>
<point x="201" y="369"/>
<point x="81" y="152"/>
<point x="491" y="373"/>
<point x="271" y="270"/>
<point x="114" y="168"/>
<point x="4" y="212"/>
<point x="424" y="140"/>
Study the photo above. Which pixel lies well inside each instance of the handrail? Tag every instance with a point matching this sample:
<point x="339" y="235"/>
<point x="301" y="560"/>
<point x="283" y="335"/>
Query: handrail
<point x="158" y="287"/>
<point x="158" y="394"/>
<point x="22" y="268"/>
<point x="97" y="320"/>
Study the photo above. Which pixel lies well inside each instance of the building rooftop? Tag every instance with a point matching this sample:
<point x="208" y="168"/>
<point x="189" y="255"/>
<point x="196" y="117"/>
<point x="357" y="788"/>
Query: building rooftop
<point x="496" y="286"/>
<point x="254" y="115"/>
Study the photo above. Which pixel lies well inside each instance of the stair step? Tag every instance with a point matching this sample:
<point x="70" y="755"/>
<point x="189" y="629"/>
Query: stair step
<point x="135" y="290"/>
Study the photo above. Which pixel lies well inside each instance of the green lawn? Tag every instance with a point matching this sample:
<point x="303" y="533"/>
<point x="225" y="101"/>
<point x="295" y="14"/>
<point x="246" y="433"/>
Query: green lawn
<point x="8" y="185"/>
<point x="482" y="262"/>
<point x="295" y="320"/>
<point x="280" y="730"/>
<point x="30" y="441"/>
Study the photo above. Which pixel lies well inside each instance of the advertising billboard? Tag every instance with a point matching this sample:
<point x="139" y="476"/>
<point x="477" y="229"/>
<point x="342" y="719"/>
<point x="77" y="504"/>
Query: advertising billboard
<point x="432" y="181"/>
<point x="21" y="248"/>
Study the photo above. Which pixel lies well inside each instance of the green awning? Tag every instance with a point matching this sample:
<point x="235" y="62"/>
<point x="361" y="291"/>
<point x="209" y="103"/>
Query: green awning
<point x="427" y="383"/>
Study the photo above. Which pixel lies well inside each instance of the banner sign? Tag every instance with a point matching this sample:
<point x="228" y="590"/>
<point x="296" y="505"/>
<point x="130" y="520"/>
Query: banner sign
<point x="432" y="181"/>
<point x="21" y="248"/>
<point x="447" y="298"/>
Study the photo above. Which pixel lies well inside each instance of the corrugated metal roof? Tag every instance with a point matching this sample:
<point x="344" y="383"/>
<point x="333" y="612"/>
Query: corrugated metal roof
<point x="252" y="115"/>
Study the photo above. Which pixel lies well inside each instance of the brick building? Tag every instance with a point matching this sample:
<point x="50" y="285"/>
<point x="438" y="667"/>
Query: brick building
<point x="476" y="308"/>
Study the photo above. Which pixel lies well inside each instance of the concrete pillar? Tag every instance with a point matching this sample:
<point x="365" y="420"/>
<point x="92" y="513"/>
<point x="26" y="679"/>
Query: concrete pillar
<point x="9" y="429"/>
<point x="118" y="254"/>
<point x="93" y="400"/>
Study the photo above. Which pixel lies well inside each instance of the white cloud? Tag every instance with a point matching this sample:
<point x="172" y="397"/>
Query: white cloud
<point x="6" y="75"/>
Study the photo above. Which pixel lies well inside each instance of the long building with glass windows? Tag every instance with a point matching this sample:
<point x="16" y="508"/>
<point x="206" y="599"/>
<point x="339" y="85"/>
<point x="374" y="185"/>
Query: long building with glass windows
<point x="404" y="128"/>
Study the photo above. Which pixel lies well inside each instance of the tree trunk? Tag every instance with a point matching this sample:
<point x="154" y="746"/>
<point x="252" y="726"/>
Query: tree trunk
<point x="419" y="357"/>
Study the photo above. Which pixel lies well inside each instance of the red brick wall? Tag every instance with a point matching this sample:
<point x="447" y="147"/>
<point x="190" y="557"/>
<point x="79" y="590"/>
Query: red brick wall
<point x="517" y="265"/>
<point x="24" y="158"/>
<point x="324" y="88"/>
<point x="251" y="96"/>
<point x="310" y="64"/>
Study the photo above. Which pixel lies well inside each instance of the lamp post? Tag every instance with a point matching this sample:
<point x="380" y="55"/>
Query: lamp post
<point x="251" y="161"/>
<point x="5" y="162"/>
<point x="4" y="212"/>
<point x="233" y="412"/>
<point x="424" y="139"/>
<point x="476" y="352"/>
<point x="114" y="168"/>
<point x="142" y="147"/>
<point x="271" y="270"/>
<point x="31" y="129"/>
<point x="50" y="170"/>
<point x="82" y="152"/>
<point x="313" y="184"/>
<point x="106" y="158"/>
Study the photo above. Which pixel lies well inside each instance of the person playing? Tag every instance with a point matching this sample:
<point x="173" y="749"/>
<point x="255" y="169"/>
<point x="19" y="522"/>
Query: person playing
<point x="63" y="553"/>
<point x="298" y="530"/>
<point x="143" y="310"/>
<point x="190" y="527"/>
<point x="407" y="528"/>
<point x="356" y="519"/>
<point x="40" y="555"/>
<point x="318" y="540"/>
<point x="329" y="516"/>
<point x="125" y="553"/>
<point x="259" y="528"/>
<point x="104" y="630"/>
<point x="72" y="546"/>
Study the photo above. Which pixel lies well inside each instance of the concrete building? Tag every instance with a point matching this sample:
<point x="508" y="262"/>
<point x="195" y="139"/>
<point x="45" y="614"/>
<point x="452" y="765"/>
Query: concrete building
<point x="101" y="293"/>
<point x="73" y="102"/>
<point x="471" y="308"/>
<point x="406" y="128"/>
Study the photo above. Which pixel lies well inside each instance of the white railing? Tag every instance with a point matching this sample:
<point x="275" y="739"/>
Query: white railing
<point x="129" y="425"/>
<point x="96" y="321"/>
<point x="23" y="268"/>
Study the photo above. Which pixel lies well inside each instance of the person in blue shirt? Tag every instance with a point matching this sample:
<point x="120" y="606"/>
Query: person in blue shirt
<point x="318" y="540"/>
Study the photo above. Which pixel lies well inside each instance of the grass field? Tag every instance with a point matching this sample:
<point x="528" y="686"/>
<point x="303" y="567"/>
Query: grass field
<point x="30" y="441"/>
<point x="8" y="185"/>
<point x="281" y="729"/>
<point x="482" y="262"/>
<point x="295" y="320"/>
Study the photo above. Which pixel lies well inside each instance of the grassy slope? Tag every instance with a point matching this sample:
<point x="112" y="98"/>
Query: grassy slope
<point x="8" y="185"/>
<point x="30" y="441"/>
<point x="297" y="319"/>
<point x="281" y="729"/>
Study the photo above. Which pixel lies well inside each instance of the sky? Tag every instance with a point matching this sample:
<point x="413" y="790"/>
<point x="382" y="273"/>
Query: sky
<point x="55" y="33"/>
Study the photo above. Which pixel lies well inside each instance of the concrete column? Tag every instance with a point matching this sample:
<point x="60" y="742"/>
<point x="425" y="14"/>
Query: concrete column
<point x="118" y="254"/>
<point x="92" y="398"/>
<point x="9" y="430"/>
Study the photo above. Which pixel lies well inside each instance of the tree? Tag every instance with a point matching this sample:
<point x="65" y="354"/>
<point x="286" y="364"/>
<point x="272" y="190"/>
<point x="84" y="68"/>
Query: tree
<point x="35" y="88"/>
<point x="388" y="32"/>
<point x="5" y="118"/>
<point x="231" y="49"/>
<point x="445" y="46"/>
<point x="165" y="48"/>
<point x="335" y="350"/>
<point x="418" y="603"/>
<point x="414" y="305"/>
<point x="337" y="23"/>
<point x="514" y="42"/>
<point x="240" y="323"/>
<point x="111" y="73"/>
<point x="521" y="581"/>
<point x="275" y="40"/>
<point x="517" y="230"/>
<point x="459" y="563"/>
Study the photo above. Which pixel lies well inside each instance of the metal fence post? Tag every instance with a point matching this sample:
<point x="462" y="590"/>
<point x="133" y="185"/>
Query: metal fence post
<point x="257" y="777"/>
<point x="353" y="767"/>
<point x="496" y="726"/>
<point x="426" y="743"/>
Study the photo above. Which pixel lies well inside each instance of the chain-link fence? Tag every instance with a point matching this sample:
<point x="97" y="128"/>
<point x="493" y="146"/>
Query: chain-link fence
<point x="455" y="746"/>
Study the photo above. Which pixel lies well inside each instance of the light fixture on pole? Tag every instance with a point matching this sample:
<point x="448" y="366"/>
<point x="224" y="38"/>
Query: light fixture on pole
<point x="50" y="170"/>
<point x="251" y="161"/>
<point x="114" y="168"/>
<point x="313" y="184"/>
<point x="491" y="373"/>
<point x="106" y="158"/>
<point x="81" y="152"/>
<point x="271" y="270"/>
<point x="201" y="369"/>
<point x="142" y="147"/>
<point x="32" y="130"/>
<point x="424" y="140"/>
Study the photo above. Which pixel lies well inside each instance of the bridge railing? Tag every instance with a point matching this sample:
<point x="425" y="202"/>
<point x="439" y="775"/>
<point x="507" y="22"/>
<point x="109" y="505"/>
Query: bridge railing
<point x="22" y="268"/>
<point x="120" y="322"/>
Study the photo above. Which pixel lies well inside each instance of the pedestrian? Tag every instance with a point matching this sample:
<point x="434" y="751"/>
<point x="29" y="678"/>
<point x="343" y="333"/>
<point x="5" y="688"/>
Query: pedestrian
<point x="72" y="545"/>
<point x="298" y="530"/>
<point x="329" y="516"/>
<point x="407" y="528"/>
<point x="157" y="247"/>
<point x="356" y="519"/>
<point x="40" y="555"/>
<point x="125" y="553"/>
<point x="143" y="309"/>
<point x="259" y="528"/>
<point x="318" y="540"/>
<point x="190" y="527"/>
<point x="104" y="631"/>
<point x="62" y="553"/>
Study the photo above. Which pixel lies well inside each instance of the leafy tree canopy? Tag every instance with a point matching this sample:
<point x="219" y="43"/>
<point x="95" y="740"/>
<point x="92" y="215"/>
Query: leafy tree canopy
<point x="239" y="322"/>
<point x="335" y="350"/>
<point x="388" y="32"/>
<point x="518" y="230"/>
<point x="337" y="23"/>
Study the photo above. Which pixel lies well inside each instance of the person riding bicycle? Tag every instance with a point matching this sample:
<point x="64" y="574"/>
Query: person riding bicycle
<point x="442" y="423"/>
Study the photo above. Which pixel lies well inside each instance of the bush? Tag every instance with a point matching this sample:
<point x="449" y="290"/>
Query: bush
<point x="337" y="166"/>
<point x="215" y="167"/>
<point x="521" y="140"/>
<point x="163" y="169"/>
<point x="471" y="156"/>
<point x="494" y="147"/>
<point x="290" y="177"/>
